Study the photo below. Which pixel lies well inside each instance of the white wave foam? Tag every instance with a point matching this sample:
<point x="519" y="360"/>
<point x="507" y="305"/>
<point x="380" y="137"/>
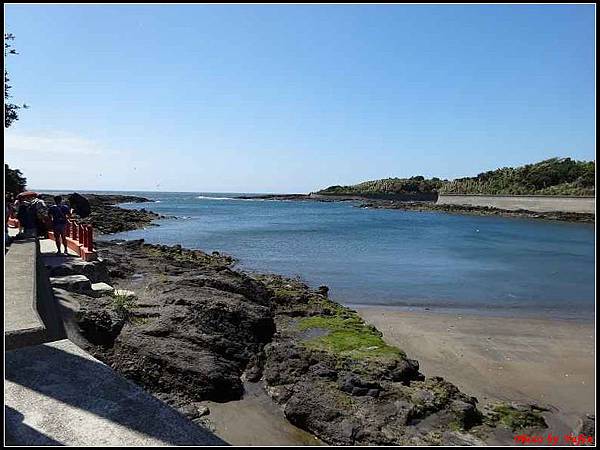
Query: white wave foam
<point x="204" y="197"/>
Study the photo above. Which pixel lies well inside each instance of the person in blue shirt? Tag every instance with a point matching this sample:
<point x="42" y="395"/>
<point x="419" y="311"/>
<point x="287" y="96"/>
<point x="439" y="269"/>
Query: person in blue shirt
<point x="59" y="213"/>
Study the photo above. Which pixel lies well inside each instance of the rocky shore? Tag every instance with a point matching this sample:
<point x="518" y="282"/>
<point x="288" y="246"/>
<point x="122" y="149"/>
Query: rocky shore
<point x="374" y="203"/>
<point x="189" y="328"/>
<point x="107" y="218"/>
<point x="477" y="210"/>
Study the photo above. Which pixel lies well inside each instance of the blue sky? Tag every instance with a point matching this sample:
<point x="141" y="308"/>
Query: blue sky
<point x="293" y="98"/>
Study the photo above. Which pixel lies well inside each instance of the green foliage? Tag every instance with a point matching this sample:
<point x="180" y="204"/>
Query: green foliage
<point x="555" y="176"/>
<point x="14" y="181"/>
<point x="348" y="336"/>
<point x="10" y="109"/>
<point x="123" y="304"/>
<point x="388" y="186"/>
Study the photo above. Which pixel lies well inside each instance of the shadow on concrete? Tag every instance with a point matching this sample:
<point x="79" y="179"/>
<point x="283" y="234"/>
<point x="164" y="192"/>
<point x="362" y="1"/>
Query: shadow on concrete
<point x="46" y="305"/>
<point x="81" y="383"/>
<point x="14" y="417"/>
<point x="52" y="259"/>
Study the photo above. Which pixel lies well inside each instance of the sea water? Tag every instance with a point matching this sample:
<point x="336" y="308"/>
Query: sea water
<point x="392" y="258"/>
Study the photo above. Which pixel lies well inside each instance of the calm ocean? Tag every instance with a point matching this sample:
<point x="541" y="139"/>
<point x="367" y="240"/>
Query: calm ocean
<point x="487" y="265"/>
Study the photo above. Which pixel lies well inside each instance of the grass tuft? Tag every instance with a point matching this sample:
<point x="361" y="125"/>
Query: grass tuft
<point x="123" y="304"/>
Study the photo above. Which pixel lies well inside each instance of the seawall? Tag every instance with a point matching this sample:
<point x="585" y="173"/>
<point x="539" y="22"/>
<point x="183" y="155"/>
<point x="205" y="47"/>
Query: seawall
<point x="536" y="203"/>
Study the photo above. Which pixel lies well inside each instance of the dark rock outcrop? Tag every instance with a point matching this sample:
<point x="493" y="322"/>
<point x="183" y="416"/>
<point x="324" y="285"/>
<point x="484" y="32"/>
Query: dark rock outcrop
<point x="95" y="271"/>
<point x="478" y="210"/>
<point x="335" y="377"/>
<point x="99" y="321"/>
<point x="192" y="333"/>
<point x="198" y="329"/>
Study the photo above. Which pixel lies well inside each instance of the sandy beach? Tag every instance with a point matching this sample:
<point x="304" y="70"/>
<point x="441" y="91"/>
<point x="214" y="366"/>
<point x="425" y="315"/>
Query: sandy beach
<point x="549" y="362"/>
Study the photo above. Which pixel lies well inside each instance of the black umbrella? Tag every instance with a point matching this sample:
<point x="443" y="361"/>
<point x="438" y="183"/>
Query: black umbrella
<point x="80" y="204"/>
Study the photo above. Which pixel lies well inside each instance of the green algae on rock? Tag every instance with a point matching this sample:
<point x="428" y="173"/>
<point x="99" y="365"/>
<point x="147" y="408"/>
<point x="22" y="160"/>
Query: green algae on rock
<point x="516" y="417"/>
<point x="348" y="336"/>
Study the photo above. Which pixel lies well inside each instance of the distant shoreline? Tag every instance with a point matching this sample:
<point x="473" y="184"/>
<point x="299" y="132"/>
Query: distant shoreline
<point x="375" y="203"/>
<point x="108" y="218"/>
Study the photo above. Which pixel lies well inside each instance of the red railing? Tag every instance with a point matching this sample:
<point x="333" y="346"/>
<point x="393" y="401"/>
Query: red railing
<point x="80" y="239"/>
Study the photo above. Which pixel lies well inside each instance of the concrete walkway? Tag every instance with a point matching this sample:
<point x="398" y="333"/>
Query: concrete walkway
<point x="30" y="313"/>
<point x="48" y="250"/>
<point x="22" y="323"/>
<point x="57" y="394"/>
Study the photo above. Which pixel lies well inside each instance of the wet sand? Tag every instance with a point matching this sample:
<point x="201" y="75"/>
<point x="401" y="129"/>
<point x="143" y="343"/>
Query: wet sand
<point x="548" y="362"/>
<point x="255" y="420"/>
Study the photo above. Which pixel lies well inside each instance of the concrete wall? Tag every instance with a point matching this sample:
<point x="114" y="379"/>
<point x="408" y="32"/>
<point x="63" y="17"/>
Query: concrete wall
<point x="537" y="203"/>
<point x="22" y="323"/>
<point x="30" y="314"/>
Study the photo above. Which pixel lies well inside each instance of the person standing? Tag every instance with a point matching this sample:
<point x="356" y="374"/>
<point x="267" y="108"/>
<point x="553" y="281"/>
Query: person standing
<point x="59" y="213"/>
<point x="41" y="216"/>
<point x="27" y="218"/>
